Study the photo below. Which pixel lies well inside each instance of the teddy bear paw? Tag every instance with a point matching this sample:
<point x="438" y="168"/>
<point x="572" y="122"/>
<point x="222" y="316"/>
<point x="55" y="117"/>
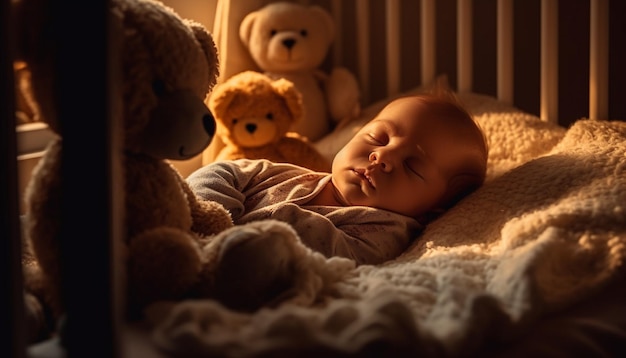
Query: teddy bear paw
<point x="163" y="264"/>
<point x="211" y="218"/>
<point x="256" y="265"/>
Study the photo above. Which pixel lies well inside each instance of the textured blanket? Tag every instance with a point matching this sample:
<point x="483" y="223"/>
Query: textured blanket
<point x="546" y="231"/>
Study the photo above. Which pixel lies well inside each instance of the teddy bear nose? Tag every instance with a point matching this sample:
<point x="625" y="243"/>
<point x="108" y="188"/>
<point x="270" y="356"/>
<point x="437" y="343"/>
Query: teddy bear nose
<point x="289" y="43"/>
<point x="209" y="124"/>
<point x="251" y="128"/>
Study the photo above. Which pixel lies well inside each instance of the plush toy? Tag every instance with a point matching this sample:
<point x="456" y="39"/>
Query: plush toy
<point x="290" y="40"/>
<point x="168" y="67"/>
<point x="253" y="115"/>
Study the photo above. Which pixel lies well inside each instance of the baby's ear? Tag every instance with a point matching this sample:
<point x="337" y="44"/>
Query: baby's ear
<point x="460" y="186"/>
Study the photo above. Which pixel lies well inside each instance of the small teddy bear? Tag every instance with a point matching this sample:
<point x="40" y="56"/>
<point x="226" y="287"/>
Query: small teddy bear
<point x="291" y="40"/>
<point x="253" y="115"/>
<point x="168" y="67"/>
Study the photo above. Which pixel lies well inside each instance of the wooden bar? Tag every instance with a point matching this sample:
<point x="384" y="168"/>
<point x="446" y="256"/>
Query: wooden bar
<point x="338" y="41"/>
<point x="428" y="41"/>
<point x="599" y="60"/>
<point x="505" y="51"/>
<point x="363" y="47"/>
<point x="90" y="169"/>
<point x="549" y="60"/>
<point x="464" y="45"/>
<point x="13" y="343"/>
<point x="392" y="11"/>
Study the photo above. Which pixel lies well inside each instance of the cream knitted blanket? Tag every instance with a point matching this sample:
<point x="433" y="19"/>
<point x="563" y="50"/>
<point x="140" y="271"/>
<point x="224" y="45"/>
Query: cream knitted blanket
<point x="547" y="230"/>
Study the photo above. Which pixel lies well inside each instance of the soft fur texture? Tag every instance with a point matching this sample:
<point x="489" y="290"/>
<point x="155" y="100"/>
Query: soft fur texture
<point x="254" y="114"/>
<point x="545" y="232"/>
<point x="169" y="65"/>
<point x="290" y="40"/>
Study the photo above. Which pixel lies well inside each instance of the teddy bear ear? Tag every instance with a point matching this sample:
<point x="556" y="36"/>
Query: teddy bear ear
<point x="292" y="97"/>
<point x="208" y="47"/>
<point x="245" y="29"/>
<point x="220" y="100"/>
<point x="325" y="18"/>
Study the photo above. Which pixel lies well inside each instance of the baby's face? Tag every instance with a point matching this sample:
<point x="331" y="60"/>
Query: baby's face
<point x="400" y="161"/>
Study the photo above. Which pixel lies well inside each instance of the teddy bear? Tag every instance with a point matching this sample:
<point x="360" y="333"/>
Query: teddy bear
<point x="290" y="40"/>
<point x="168" y="66"/>
<point x="175" y="245"/>
<point x="254" y="114"/>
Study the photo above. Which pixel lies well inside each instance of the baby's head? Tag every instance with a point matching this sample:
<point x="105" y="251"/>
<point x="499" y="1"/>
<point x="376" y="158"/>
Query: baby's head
<point x="417" y="157"/>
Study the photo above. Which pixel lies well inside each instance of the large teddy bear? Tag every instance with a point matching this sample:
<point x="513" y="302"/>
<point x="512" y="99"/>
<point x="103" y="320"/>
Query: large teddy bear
<point x="253" y="115"/>
<point x="168" y="66"/>
<point x="174" y="244"/>
<point x="290" y="40"/>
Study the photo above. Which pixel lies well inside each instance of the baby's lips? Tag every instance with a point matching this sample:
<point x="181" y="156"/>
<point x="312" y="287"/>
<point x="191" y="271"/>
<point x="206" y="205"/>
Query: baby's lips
<point x="363" y="173"/>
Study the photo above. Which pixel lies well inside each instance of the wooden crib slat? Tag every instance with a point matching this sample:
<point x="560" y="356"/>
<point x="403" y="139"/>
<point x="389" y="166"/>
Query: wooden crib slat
<point x="599" y="59"/>
<point x="336" y="11"/>
<point x="392" y="11"/>
<point x="549" y="60"/>
<point x="90" y="217"/>
<point x="505" y="51"/>
<point x="427" y="30"/>
<point x="13" y="343"/>
<point x="464" y="45"/>
<point x="363" y="47"/>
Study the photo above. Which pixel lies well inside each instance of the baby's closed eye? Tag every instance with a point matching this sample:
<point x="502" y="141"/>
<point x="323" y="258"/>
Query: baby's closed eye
<point x="377" y="138"/>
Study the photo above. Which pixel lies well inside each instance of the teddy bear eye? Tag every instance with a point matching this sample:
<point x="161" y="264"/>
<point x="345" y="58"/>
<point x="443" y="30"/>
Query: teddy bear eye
<point x="304" y="32"/>
<point x="235" y="120"/>
<point x="158" y="87"/>
<point x="269" y="116"/>
<point x="273" y="32"/>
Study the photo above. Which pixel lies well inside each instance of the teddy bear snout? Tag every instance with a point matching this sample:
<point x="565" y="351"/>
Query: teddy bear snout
<point x="208" y="121"/>
<point x="289" y="42"/>
<point x="251" y="128"/>
<point x="254" y="132"/>
<point x="183" y="121"/>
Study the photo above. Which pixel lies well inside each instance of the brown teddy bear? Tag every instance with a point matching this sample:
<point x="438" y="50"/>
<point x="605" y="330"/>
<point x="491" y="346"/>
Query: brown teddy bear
<point x="254" y="114"/>
<point x="175" y="245"/>
<point x="168" y="67"/>
<point x="290" y="40"/>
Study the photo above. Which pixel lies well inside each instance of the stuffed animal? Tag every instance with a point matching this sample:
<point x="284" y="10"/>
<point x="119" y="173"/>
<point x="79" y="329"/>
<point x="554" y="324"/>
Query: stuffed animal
<point x="253" y="115"/>
<point x="290" y="40"/>
<point x="176" y="246"/>
<point x="168" y="67"/>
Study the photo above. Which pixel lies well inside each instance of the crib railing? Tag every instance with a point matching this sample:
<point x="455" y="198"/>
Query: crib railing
<point x="90" y="214"/>
<point x="599" y="59"/>
<point x="12" y="316"/>
<point x="549" y="57"/>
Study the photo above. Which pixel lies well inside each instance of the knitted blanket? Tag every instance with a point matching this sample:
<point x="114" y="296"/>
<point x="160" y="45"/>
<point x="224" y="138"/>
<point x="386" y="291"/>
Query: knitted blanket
<point x="546" y="231"/>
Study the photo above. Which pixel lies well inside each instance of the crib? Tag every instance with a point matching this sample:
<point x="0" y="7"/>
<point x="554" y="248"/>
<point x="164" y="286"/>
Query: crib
<point x="518" y="68"/>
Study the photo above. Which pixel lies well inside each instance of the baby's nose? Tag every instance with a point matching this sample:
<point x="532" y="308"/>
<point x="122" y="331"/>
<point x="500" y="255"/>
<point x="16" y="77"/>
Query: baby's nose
<point x="378" y="158"/>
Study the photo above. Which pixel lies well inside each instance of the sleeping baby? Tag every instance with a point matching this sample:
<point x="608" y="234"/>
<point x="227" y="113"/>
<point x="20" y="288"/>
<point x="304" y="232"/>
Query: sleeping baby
<point x="419" y="156"/>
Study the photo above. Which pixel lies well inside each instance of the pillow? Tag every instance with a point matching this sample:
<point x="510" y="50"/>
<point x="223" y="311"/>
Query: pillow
<point x="514" y="136"/>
